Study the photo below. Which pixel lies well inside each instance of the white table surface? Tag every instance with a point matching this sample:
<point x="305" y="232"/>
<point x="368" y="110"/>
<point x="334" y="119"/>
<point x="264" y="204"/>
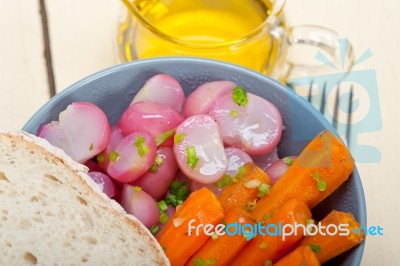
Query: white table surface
<point x="82" y="35"/>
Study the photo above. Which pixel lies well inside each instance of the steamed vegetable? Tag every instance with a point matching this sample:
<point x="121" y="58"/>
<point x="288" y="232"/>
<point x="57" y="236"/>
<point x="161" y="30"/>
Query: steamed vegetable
<point x="280" y="167"/>
<point x="249" y="122"/>
<point x="202" y="98"/>
<point x="82" y="131"/>
<point x="266" y="160"/>
<point x="158" y="179"/>
<point x="140" y="204"/>
<point x="320" y="169"/>
<point x="163" y="89"/>
<point x="329" y="246"/>
<point x="104" y="182"/>
<point x="272" y="247"/>
<point x="204" y="208"/>
<point x="155" y="118"/>
<point x="301" y="256"/>
<point x="199" y="150"/>
<point x="115" y="138"/>
<point x="132" y="157"/>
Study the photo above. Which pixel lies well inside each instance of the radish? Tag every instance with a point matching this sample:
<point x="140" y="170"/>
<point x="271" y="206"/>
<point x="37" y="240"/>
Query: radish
<point x="104" y="182"/>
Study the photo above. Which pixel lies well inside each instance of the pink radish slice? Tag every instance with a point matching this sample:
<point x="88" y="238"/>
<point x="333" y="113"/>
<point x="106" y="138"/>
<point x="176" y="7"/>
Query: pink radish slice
<point x="82" y="131"/>
<point x="157" y="181"/>
<point x="163" y="89"/>
<point x="194" y="186"/>
<point x="115" y="138"/>
<point x="140" y="204"/>
<point x="132" y="157"/>
<point x="199" y="150"/>
<point x="152" y="117"/>
<point x="255" y="128"/>
<point x="279" y="168"/>
<point x="202" y="98"/>
<point x="93" y="167"/>
<point x="104" y="182"/>
<point x="266" y="160"/>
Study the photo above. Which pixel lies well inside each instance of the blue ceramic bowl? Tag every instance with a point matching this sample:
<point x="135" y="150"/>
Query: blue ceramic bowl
<point x="112" y="90"/>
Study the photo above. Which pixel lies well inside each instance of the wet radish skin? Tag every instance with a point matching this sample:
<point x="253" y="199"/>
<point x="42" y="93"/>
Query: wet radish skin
<point x="152" y="117"/>
<point x="140" y="204"/>
<point x="157" y="183"/>
<point x="162" y="88"/>
<point x="203" y="97"/>
<point x="131" y="165"/>
<point x="255" y="128"/>
<point x="202" y="133"/>
<point x="115" y="138"/>
<point x="104" y="182"/>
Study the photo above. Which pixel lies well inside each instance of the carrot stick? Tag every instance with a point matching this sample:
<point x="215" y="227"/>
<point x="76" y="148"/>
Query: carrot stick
<point x="240" y="193"/>
<point x="222" y="249"/>
<point x="273" y="246"/>
<point x="319" y="170"/>
<point x="328" y="246"/>
<point x="201" y="207"/>
<point x="301" y="256"/>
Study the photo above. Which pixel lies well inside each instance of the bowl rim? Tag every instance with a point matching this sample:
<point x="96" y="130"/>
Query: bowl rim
<point x="361" y="202"/>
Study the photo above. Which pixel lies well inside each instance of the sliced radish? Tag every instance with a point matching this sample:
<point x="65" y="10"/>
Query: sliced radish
<point x="164" y="89"/>
<point x="279" y="168"/>
<point x="140" y="204"/>
<point x="236" y="158"/>
<point x="115" y="138"/>
<point x="202" y="98"/>
<point x="158" y="179"/>
<point x="199" y="150"/>
<point x="255" y="127"/>
<point x="104" y="182"/>
<point x="152" y="117"/>
<point x="266" y="160"/>
<point x="82" y="131"/>
<point x="132" y="157"/>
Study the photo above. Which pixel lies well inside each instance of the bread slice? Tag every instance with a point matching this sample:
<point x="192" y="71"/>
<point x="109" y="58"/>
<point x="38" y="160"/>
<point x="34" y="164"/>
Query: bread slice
<point x="52" y="213"/>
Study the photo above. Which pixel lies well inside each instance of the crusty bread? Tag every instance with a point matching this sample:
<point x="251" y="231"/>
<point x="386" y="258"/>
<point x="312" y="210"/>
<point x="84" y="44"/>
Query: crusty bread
<point x="52" y="213"/>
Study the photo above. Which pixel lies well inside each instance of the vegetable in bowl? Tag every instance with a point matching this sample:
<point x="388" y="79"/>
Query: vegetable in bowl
<point x="199" y="74"/>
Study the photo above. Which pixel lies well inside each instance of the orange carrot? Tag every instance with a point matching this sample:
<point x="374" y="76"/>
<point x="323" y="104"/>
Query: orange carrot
<point x="245" y="190"/>
<point x="272" y="246"/>
<point x="301" y="256"/>
<point x="328" y="246"/>
<point x="222" y="249"/>
<point x="319" y="170"/>
<point x="179" y="243"/>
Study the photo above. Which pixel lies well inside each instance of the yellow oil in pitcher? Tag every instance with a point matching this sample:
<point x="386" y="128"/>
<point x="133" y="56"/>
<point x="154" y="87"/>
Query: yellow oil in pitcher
<point x="228" y="30"/>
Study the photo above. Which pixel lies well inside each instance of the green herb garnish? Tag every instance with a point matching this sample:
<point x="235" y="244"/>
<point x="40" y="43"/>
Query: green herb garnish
<point x="239" y="96"/>
<point x="141" y="146"/>
<point x="321" y="184"/>
<point x="178" y="193"/>
<point x="204" y="262"/>
<point x="315" y="248"/>
<point x="154" y="229"/>
<point x="240" y="173"/>
<point x="178" y="138"/>
<point x="100" y="158"/>
<point x="163" y="218"/>
<point x="224" y="181"/>
<point x="137" y="188"/>
<point x="157" y="163"/>
<point x="114" y="156"/>
<point x="162" y="206"/>
<point x="233" y="113"/>
<point x="263" y="245"/>
<point x="263" y="190"/>
<point x="288" y="161"/>
<point x="191" y="156"/>
<point x="268" y="263"/>
<point x="164" y="136"/>
<point x="251" y="205"/>
<point x="91" y="147"/>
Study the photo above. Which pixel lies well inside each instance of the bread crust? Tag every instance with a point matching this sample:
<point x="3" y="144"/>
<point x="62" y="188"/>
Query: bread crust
<point x="79" y="174"/>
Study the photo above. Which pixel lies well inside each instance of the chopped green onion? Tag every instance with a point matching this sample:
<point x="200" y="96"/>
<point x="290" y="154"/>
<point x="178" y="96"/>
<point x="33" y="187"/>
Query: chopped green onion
<point x="141" y="146"/>
<point x="157" y="162"/>
<point x="100" y="158"/>
<point x="263" y="245"/>
<point x="317" y="176"/>
<point x="114" y="156"/>
<point x="91" y="147"/>
<point x="154" y="229"/>
<point x="263" y="190"/>
<point x="136" y="188"/>
<point x="204" y="262"/>
<point x="178" y="138"/>
<point x="163" y="218"/>
<point x="268" y="263"/>
<point x="315" y="248"/>
<point x="239" y="96"/>
<point x="251" y="205"/>
<point x="224" y="181"/>
<point x="288" y="161"/>
<point x="214" y="236"/>
<point x="191" y="156"/>
<point x="164" y="136"/>
<point x="309" y="221"/>
<point x="233" y="113"/>
<point x="240" y="173"/>
<point x="179" y="191"/>
<point x="162" y="206"/>
<point x="321" y="185"/>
